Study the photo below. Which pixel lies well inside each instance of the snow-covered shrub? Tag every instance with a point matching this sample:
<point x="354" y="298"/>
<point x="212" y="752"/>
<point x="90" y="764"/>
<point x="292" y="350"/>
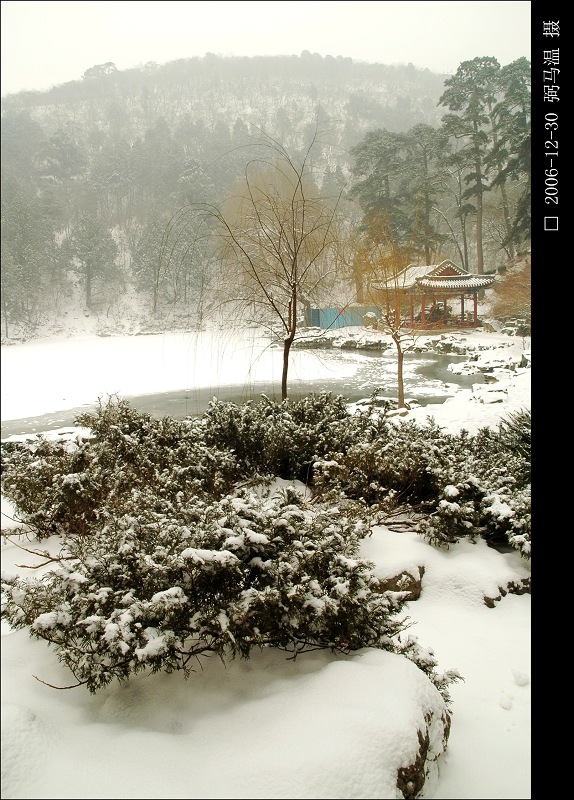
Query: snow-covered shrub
<point x="164" y="559"/>
<point x="156" y="592"/>
<point x="519" y="528"/>
<point x="50" y="484"/>
<point x="282" y="439"/>
<point x="456" y="513"/>
<point x="239" y="429"/>
<point x="506" y="517"/>
<point x="152" y="450"/>
<point x="515" y="432"/>
<point x="63" y="487"/>
<point x="461" y="485"/>
<point x="487" y="492"/>
<point x="499" y="514"/>
<point x="425" y="659"/>
<point x="403" y="462"/>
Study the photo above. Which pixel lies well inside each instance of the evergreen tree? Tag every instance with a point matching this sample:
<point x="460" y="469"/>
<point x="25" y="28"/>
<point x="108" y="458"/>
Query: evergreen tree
<point x="398" y="177"/>
<point x="21" y="141"/>
<point x="93" y="251"/>
<point x="31" y="267"/>
<point x="512" y="151"/>
<point x="111" y="180"/>
<point x="377" y="170"/>
<point x="425" y="150"/>
<point x="471" y="91"/>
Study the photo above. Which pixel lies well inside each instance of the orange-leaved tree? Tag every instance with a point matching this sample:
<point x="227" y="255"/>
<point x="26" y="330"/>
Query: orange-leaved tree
<point x="280" y="239"/>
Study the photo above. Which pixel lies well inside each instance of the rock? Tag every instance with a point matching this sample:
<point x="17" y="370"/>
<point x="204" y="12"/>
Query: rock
<point x="512" y="587"/>
<point x="411" y="780"/>
<point x="370" y="320"/>
<point x="404" y="582"/>
<point x="398" y="412"/>
<point x="485" y="393"/>
<point x="313" y="343"/>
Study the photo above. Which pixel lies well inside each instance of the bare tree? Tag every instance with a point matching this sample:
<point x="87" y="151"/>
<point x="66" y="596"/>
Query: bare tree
<point x="181" y="271"/>
<point x="386" y="290"/>
<point x="280" y="239"/>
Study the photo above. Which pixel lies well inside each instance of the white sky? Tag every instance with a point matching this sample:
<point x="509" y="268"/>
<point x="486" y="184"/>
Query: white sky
<point x="49" y="43"/>
<point x="322" y="726"/>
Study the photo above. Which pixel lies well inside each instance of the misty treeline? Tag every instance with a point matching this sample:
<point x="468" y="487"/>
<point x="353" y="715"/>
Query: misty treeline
<point x="99" y="174"/>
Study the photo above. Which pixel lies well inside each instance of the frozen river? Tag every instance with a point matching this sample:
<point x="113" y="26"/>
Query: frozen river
<point x="353" y="374"/>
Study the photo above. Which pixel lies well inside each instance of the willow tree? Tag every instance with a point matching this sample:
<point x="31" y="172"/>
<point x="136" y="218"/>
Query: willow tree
<point x="280" y="239"/>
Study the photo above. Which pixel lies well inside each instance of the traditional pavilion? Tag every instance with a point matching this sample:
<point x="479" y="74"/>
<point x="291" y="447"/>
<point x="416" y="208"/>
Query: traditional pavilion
<point x="428" y="290"/>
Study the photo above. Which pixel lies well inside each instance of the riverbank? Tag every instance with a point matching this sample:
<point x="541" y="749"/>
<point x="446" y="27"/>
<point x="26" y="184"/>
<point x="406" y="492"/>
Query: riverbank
<point x="53" y="375"/>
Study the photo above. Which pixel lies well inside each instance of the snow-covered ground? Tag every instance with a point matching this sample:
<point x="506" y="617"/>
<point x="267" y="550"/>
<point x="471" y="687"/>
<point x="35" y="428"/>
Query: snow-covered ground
<point x="319" y="727"/>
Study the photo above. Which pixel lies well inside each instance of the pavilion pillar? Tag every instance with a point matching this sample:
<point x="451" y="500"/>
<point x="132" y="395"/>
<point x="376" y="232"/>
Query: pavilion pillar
<point x="412" y="309"/>
<point x="423" y="318"/>
<point x="475" y="295"/>
<point x="462" y="309"/>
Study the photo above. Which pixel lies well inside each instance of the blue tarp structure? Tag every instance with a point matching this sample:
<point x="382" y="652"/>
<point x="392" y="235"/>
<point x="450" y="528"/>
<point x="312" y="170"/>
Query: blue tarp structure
<point x="340" y="317"/>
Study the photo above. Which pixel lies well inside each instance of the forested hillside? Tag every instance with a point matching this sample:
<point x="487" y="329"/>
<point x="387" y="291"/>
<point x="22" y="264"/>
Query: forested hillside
<point x="97" y="175"/>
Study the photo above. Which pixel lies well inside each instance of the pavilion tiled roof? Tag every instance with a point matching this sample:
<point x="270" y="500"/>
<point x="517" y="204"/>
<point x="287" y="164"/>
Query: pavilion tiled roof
<point x="432" y="277"/>
<point x="456" y="282"/>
